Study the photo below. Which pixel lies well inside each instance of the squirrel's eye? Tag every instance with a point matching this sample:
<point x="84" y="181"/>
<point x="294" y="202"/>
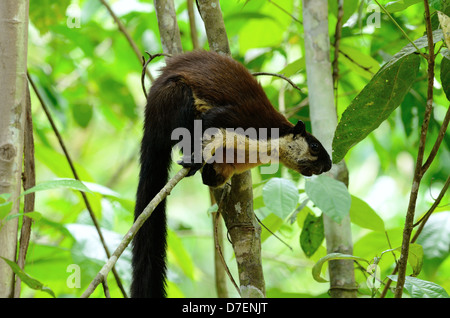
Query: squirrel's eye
<point x="314" y="148"/>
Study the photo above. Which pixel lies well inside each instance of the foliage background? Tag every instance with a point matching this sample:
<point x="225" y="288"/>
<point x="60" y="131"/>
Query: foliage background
<point x="90" y="79"/>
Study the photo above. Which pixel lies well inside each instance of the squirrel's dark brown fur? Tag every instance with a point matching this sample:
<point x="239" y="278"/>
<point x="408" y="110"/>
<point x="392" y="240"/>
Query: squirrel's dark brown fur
<point x="222" y="94"/>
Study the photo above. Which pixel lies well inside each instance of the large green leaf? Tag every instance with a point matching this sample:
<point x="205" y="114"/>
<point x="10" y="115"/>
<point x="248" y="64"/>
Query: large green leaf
<point x="329" y="195"/>
<point x="280" y="196"/>
<point x="419" y="288"/>
<point x="435" y="236"/>
<point x="374" y="104"/>
<point x="312" y="234"/>
<point x="420" y="43"/>
<point x="364" y="216"/>
<point x="400" y="5"/>
<point x="58" y="184"/>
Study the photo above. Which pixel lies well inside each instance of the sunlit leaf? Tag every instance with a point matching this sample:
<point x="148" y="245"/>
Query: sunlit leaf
<point x="179" y="254"/>
<point x="36" y="216"/>
<point x="27" y="279"/>
<point x="364" y="216"/>
<point x="280" y="196"/>
<point x="419" y="288"/>
<point x="5" y="205"/>
<point x="58" y="184"/>
<point x="400" y="5"/>
<point x="329" y="195"/>
<point x="435" y="236"/>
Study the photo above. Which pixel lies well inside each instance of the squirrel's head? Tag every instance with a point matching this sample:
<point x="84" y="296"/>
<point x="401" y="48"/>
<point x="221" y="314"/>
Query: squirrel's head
<point x="302" y="152"/>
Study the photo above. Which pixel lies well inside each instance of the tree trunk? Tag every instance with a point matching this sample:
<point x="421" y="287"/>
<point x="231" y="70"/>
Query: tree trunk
<point x="237" y="208"/>
<point x="13" y="77"/>
<point x="324" y="121"/>
<point x="168" y="26"/>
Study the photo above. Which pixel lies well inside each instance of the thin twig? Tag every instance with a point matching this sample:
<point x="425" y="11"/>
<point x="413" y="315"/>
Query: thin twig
<point x="75" y="174"/>
<point x="192" y="25"/>
<point x="427" y="215"/>
<point x="422" y="223"/>
<point x="400" y="28"/>
<point x="106" y="288"/>
<point x="418" y="173"/>
<point x="276" y="236"/>
<point x="225" y="192"/>
<point x="439" y="139"/>
<point x="29" y="181"/>
<point x="144" y="68"/>
<point x="165" y="191"/>
<point x="285" y="11"/>
<point x="365" y="68"/>
<point x="123" y="29"/>
<point x="337" y="41"/>
<point x="280" y="76"/>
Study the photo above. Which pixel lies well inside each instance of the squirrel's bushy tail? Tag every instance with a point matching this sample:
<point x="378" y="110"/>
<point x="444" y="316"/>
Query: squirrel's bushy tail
<point x="169" y="105"/>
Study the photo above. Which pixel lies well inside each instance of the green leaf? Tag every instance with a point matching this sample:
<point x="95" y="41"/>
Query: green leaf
<point x="374" y="104"/>
<point x="180" y="255"/>
<point x="312" y="234"/>
<point x="5" y="205"/>
<point x="408" y="49"/>
<point x="280" y="196"/>
<point x="350" y="7"/>
<point x="272" y="222"/>
<point x="293" y="67"/>
<point x="435" y="236"/>
<point x="32" y="215"/>
<point x="419" y="288"/>
<point x="445" y="73"/>
<point x="364" y="216"/>
<point x="317" y="268"/>
<point x="352" y="55"/>
<point x="400" y="5"/>
<point x="329" y="195"/>
<point x="415" y="258"/>
<point x="82" y="113"/>
<point x="58" y="184"/>
<point x="42" y="18"/>
<point x="27" y="279"/>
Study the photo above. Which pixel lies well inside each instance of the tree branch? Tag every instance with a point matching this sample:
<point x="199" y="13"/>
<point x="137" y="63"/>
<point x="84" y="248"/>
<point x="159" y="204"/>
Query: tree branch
<point x="238" y="204"/>
<point x="165" y="191"/>
<point x="421" y="224"/>
<point x="29" y="181"/>
<point x="418" y="173"/>
<point x="280" y="76"/>
<point x="127" y="35"/>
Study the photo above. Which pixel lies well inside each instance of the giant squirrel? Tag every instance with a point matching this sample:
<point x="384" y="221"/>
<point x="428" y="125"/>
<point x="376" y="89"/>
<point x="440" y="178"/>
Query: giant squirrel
<point x="222" y="94"/>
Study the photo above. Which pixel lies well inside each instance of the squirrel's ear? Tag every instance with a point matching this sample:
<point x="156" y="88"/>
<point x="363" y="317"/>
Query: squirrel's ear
<point x="299" y="129"/>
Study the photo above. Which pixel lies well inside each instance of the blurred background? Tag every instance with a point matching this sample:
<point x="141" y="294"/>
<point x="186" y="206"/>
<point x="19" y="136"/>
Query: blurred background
<point x="90" y="78"/>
